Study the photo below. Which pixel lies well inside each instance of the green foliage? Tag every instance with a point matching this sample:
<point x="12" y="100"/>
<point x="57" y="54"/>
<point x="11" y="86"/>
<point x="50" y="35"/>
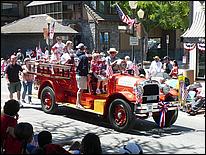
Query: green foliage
<point x="168" y="15"/>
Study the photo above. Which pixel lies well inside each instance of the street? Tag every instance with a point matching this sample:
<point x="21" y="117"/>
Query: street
<point x="186" y="136"/>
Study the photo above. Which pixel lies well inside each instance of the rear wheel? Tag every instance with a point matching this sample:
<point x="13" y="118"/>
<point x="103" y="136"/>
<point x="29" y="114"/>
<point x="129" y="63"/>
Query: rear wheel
<point x="121" y="116"/>
<point x="48" y="100"/>
<point x="170" y="117"/>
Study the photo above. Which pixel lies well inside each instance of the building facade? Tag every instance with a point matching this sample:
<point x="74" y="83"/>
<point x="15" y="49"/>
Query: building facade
<point x="97" y="23"/>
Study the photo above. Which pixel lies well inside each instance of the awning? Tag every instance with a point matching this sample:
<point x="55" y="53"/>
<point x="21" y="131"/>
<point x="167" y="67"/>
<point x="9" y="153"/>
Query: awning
<point x="35" y="3"/>
<point x="196" y="33"/>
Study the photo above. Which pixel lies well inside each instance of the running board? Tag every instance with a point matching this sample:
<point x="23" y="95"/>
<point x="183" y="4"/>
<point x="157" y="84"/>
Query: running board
<point x="72" y="105"/>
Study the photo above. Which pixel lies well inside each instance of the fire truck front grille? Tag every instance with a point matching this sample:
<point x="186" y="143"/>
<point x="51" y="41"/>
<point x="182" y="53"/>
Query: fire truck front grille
<point x="151" y="93"/>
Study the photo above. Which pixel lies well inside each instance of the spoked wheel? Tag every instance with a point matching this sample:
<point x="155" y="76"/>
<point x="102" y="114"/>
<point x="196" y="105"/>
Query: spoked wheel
<point x="48" y="100"/>
<point x="120" y="115"/>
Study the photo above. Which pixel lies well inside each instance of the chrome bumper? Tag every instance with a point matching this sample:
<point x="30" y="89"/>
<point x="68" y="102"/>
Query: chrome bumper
<point x="153" y="107"/>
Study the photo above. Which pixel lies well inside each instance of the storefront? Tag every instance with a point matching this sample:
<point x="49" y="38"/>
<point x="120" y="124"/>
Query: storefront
<point x="194" y="41"/>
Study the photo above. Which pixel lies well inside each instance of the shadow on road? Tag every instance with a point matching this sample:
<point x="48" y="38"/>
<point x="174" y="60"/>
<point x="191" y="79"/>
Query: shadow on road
<point x="142" y="127"/>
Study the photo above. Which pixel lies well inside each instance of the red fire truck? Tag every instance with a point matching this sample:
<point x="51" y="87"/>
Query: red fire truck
<point x="127" y="97"/>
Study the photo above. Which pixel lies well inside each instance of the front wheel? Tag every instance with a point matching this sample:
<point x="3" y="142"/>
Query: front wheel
<point x="48" y="100"/>
<point x="170" y="117"/>
<point x="121" y="116"/>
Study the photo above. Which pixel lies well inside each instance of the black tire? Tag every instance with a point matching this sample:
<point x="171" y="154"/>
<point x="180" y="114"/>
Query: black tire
<point x="120" y="115"/>
<point x="48" y="102"/>
<point x="170" y="117"/>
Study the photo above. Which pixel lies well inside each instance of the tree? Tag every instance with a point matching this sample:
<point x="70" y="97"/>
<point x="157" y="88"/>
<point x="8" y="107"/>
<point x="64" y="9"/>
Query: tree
<point x="168" y="15"/>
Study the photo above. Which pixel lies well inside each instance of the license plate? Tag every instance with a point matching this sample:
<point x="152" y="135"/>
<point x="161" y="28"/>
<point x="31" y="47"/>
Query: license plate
<point x="150" y="98"/>
<point x="149" y="107"/>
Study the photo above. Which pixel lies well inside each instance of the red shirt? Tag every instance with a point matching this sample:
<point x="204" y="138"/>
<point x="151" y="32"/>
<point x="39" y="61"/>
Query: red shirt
<point x="12" y="145"/>
<point x="95" y="67"/>
<point x="6" y="121"/>
<point x="174" y="72"/>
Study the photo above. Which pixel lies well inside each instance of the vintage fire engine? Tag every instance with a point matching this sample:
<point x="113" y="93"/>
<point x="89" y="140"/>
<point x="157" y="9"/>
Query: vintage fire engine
<point x="127" y="97"/>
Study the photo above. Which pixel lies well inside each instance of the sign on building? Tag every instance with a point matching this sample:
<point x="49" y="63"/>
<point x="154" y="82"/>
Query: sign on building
<point x="133" y="41"/>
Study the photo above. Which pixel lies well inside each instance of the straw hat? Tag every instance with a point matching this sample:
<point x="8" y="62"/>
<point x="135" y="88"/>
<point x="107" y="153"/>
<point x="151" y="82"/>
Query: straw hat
<point x="156" y="57"/>
<point x="112" y="50"/>
<point x="95" y="54"/>
<point x="69" y="42"/>
<point x="26" y="59"/>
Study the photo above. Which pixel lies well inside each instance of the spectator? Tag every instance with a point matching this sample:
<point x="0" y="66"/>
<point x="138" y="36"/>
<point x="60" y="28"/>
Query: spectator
<point x="174" y="71"/>
<point x="23" y="133"/>
<point x="54" y="149"/>
<point x="12" y="77"/>
<point x="75" y="148"/>
<point x="111" y="60"/>
<point x="20" y="56"/>
<point x="167" y="66"/>
<point x="9" y="118"/>
<point x="3" y="67"/>
<point x="131" y="148"/>
<point x="59" y="45"/>
<point x="28" y="80"/>
<point x="81" y="73"/>
<point x="91" y="144"/>
<point x="43" y="138"/>
<point x="155" y="66"/>
<point x="142" y="72"/>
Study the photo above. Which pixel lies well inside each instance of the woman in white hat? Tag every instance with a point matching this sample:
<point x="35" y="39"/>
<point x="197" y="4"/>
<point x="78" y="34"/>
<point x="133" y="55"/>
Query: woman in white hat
<point x="111" y="59"/>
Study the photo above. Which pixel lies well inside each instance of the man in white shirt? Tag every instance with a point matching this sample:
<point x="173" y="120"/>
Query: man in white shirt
<point x="59" y="45"/>
<point x="155" y="66"/>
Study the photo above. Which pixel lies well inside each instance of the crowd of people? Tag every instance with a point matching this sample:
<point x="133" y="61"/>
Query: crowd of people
<point x="20" y="138"/>
<point x="89" y="65"/>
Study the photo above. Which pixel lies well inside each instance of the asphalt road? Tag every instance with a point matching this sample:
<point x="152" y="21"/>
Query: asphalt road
<point x="186" y="136"/>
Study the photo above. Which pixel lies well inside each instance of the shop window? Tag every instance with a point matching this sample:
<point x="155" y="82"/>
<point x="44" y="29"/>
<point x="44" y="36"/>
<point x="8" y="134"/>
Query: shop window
<point x="10" y="9"/>
<point x="154" y="43"/>
<point x="94" y="4"/>
<point x="104" y="41"/>
<point x="101" y="6"/>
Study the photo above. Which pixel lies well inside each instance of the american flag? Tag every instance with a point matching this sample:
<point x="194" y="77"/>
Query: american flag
<point x="51" y="33"/>
<point x="135" y="67"/>
<point x="39" y="52"/>
<point x="109" y="71"/>
<point x="123" y="17"/>
<point x="163" y="110"/>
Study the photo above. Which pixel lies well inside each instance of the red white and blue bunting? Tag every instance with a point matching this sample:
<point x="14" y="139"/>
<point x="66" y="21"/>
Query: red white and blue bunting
<point x="201" y="46"/>
<point x="191" y="46"/>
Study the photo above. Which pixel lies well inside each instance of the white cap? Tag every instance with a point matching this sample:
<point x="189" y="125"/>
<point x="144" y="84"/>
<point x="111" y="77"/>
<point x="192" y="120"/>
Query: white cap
<point x="80" y="45"/>
<point x="130" y="148"/>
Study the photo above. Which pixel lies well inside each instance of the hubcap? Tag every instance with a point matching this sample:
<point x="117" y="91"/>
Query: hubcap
<point x="47" y="100"/>
<point x="120" y="115"/>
